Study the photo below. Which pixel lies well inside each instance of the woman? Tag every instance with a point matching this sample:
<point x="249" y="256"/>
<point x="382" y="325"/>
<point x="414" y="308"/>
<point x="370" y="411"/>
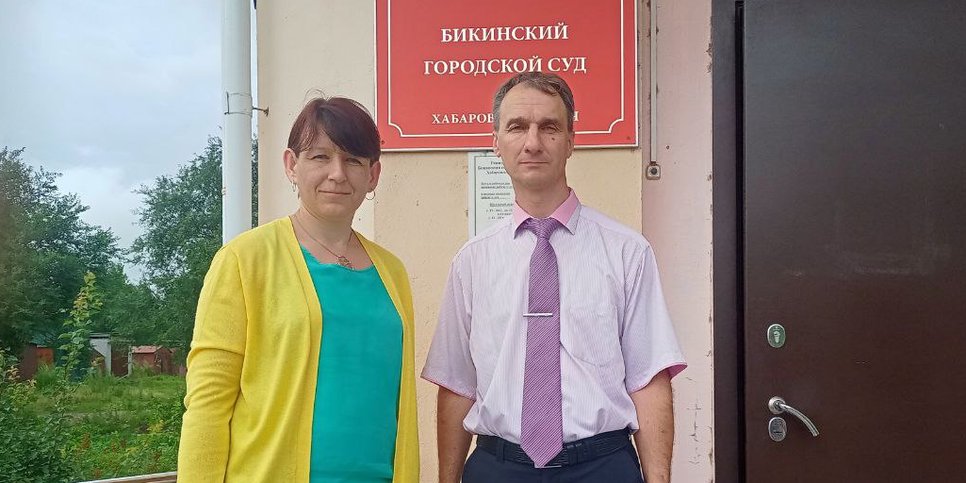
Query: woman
<point x="301" y="365"/>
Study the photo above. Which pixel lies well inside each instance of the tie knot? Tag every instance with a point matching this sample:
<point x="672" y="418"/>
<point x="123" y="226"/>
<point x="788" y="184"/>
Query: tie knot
<point x="542" y="227"/>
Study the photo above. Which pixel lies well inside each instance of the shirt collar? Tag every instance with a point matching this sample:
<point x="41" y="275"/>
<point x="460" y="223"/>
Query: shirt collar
<point x="565" y="213"/>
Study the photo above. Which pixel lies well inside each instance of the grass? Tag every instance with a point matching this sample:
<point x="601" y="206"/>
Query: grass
<point x="117" y="426"/>
<point x="130" y="393"/>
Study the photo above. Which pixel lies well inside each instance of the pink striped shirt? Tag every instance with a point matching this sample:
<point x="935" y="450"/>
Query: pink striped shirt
<point x="615" y="332"/>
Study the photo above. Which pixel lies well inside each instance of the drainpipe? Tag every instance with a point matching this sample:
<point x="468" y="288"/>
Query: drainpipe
<point x="236" y="75"/>
<point x="653" y="78"/>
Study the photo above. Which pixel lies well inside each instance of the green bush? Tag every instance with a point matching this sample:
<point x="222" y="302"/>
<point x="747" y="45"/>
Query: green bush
<point x="113" y="427"/>
<point x="49" y="378"/>
<point x="32" y="441"/>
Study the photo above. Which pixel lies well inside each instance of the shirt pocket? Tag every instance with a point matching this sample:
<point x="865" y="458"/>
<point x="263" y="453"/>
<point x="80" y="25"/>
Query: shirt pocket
<point x="590" y="333"/>
<point x="488" y="330"/>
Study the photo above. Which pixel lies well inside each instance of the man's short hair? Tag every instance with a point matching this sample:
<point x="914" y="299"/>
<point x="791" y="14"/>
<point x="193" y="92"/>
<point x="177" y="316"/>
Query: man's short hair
<point x="551" y="84"/>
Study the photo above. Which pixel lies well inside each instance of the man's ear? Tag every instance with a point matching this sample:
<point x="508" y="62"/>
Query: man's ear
<point x="496" y="146"/>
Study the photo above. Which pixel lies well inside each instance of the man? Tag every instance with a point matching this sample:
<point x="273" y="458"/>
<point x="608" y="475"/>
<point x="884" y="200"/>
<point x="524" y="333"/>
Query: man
<point x="554" y="342"/>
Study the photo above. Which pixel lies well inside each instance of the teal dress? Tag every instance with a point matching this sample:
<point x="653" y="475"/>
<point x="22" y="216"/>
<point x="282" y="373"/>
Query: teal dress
<point x="360" y="362"/>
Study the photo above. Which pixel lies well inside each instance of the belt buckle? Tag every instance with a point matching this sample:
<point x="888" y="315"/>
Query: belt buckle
<point x="563" y="455"/>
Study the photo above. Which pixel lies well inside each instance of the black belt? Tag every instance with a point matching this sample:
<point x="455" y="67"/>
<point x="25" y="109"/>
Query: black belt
<point x="573" y="453"/>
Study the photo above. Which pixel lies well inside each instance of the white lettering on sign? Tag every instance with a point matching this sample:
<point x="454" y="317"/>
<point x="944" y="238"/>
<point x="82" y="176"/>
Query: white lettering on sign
<point x="502" y="34"/>
<point x="577" y="65"/>
<point x="463" y="118"/>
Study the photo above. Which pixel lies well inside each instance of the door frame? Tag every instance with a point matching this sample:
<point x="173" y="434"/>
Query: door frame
<point x="728" y="319"/>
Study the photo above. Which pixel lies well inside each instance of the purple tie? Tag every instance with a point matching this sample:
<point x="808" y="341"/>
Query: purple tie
<point x="541" y="432"/>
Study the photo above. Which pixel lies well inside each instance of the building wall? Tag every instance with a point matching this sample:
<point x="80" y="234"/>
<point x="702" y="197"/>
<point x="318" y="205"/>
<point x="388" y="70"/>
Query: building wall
<point x="420" y="210"/>
<point x="31" y="359"/>
<point x="102" y="344"/>
<point x="677" y="220"/>
<point x="304" y="48"/>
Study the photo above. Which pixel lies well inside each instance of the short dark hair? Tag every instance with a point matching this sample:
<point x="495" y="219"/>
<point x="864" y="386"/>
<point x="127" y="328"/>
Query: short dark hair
<point x="551" y="84"/>
<point x="347" y="123"/>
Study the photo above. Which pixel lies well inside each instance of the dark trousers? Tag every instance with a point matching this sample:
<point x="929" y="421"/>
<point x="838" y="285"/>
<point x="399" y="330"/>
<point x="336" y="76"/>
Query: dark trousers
<point x="621" y="466"/>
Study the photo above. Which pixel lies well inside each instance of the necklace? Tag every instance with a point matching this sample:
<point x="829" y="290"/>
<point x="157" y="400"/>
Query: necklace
<point x="343" y="261"/>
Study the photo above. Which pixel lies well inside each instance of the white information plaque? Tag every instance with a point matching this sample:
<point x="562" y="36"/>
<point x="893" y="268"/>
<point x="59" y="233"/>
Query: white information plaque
<point x="490" y="191"/>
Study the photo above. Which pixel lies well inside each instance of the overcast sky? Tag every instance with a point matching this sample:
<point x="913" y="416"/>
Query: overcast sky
<point x="110" y="93"/>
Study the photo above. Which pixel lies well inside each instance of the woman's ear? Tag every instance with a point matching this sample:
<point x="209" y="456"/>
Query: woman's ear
<point x="375" y="169"/>
<point x="290" y="160"/>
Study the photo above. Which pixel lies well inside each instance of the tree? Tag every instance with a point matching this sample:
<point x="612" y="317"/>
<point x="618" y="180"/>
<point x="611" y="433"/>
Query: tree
<point x="127" y="311"/>
<point x="45" y="250"/>
<point x="182" y="231"/>
<point x="18" y="265"/>
<point x="76" y="347"/>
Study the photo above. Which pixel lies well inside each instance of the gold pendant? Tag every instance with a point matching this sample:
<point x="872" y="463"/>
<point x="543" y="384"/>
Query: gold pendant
<point x="344" y="261"/>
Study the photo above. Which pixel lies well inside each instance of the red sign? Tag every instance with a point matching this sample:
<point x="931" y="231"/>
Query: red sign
<point x="439" y="62"/>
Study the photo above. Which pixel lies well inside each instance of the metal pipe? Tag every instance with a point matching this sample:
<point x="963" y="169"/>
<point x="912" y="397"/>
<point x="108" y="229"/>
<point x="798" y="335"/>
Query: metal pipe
<point x="236" y="72"/>
<point x="652" y="23"/>
<point x="169" y="477"/>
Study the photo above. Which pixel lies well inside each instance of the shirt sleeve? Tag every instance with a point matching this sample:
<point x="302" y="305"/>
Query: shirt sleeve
<point x="450" y="363"/>
<point x="214" y="372"/>
<point x="648" y="341"/>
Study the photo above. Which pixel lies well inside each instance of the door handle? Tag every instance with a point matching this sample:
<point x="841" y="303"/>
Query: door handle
<point x="777" y="405"/>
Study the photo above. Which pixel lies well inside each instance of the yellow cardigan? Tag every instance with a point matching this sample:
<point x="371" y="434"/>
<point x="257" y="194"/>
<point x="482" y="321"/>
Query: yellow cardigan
<point x="254" y="361"/>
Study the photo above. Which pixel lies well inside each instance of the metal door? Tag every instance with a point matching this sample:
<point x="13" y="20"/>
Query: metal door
<point x="854" y="238"/>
